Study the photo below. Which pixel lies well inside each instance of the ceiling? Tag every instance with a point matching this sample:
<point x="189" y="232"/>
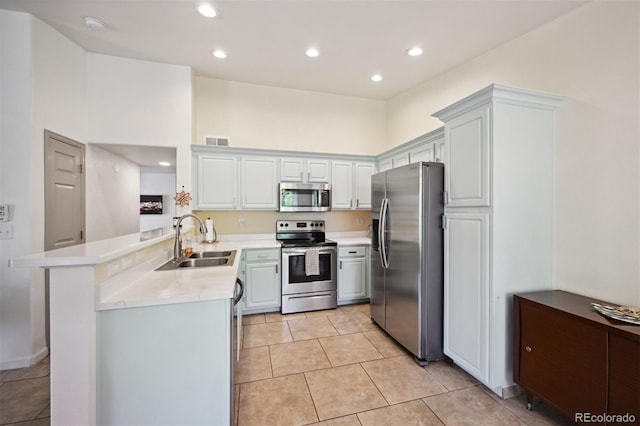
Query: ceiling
<point x="144" y="156"/>
<point x="265" y="40"/>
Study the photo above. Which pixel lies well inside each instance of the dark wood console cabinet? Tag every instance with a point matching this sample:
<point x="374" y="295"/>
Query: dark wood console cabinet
<point x="576" y="359"/>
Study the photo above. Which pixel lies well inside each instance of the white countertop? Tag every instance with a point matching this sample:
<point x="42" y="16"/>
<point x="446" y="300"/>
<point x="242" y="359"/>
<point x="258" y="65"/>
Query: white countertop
<point x="94" y="252"/>
<point x="143" y="286"/>
<point x="184" y="284"/>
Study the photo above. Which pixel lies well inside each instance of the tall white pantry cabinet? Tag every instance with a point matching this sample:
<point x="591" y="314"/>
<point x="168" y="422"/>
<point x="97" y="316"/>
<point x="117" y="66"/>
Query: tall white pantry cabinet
<point x="498" y="222"/>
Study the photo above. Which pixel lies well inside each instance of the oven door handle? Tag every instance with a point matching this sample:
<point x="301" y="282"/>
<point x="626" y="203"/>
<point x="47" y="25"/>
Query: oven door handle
<point x="303" y="251"/>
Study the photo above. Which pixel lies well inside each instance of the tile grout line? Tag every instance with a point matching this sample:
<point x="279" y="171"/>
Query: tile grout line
<point x="304" y="374"/>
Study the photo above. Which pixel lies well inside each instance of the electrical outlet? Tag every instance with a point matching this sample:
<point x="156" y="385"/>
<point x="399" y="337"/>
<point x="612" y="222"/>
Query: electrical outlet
<point x="241" y="222"/>
<point x="6" y="231"/>
<point x="139" y="256"/>
<point x="114" y="268"/>
<point x="127" y="261"/>
<point x="360" y="221"/>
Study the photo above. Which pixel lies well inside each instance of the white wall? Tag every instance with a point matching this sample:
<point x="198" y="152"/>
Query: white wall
<point x="141" y="103"/>
<point x="591" y="56"/>
<point x="254" y="116"/>
<point x="155" y="181"/>
<point x="112" y="195"/>
<point x="43" y="86"/>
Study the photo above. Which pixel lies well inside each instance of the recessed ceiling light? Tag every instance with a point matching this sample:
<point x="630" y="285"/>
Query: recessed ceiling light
<point x="220" y="54"/>
<point x="93" y="23"/>
<point x="164" y="163"/>
<point x="312" y="52"/>
<point x="414" y="51"/>
<point x="376" y="77"/>
<point x="207" y="10"/>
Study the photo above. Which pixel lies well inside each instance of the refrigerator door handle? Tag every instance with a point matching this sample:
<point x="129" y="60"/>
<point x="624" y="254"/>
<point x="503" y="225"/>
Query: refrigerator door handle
<point x="382" y="229"/>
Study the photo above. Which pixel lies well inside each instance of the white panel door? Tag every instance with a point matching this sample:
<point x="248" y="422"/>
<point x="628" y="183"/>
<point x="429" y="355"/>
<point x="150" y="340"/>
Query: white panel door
<point x="216" y="182"/>
<point x="363" y="185"/>
<point x="342" y="187"/>
<point x="291" y="169"/>
<point x="466" y="292"/>
<point x="352" y="279"/>
<point x="318" y="171"/>
<point x="262" y="287"/>
<point x="259" y="184"/>
<point x="467" y="152"/>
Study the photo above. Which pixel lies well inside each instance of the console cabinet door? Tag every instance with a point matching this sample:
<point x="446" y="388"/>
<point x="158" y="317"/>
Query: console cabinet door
<point x="563" y="360"/>
<point x="624" y="376"/>
<point x="467" y="150"/>
<point x="466" y="292"/>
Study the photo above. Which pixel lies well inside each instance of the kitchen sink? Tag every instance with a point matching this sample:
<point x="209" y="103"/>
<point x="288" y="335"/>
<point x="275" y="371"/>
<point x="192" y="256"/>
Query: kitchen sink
<point x="205" y="254"/>
<point x="201" y="260"/>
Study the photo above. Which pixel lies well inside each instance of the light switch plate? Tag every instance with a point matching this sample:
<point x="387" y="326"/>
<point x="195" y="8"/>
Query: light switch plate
<point x="6" y="231"/>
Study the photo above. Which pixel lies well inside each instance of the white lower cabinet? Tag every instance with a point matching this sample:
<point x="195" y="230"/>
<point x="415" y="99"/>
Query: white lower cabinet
<point x="353" y="274"/>
<point x="150" y="358"/>
<point x="260" y="272"/>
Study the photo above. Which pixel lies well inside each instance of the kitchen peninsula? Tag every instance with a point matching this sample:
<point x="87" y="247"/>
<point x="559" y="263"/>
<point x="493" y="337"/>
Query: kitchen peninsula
<point x="128" y="342"/>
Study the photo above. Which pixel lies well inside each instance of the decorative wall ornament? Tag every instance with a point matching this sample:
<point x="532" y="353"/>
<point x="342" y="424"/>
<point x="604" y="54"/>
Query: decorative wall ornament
<point x="182" y="198"/>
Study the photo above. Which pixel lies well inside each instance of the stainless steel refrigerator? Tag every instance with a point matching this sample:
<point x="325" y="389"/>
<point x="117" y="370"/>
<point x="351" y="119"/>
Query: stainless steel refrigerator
<point x="407" y="257"/>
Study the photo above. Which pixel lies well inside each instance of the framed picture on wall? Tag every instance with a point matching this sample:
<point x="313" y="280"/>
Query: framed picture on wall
<point x="151" y="204"/>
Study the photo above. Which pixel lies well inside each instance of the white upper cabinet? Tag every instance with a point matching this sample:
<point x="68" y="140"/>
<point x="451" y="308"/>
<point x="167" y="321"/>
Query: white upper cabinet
<point x="216" y="182"/>
<point x="342" y="188"/>
<point x="351" y="188"/>
<point x="400" y="159"/>
<point x="259" y="183"/>
<point x="423" y="153"/>
<point x="438" y="151"/>
<point x="363" y="173"/>
<point x="428" y="147"/>
<point x="292" y="170"/>
<point x="468" y="148"/>
<point x="305" y="170"/>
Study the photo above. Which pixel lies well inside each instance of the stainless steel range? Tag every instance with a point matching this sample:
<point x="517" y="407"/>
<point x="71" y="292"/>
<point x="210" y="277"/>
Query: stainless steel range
<point x="309" y="272"/>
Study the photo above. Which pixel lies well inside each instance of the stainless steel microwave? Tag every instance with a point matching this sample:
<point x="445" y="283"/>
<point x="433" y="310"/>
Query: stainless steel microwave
<point x="305" y="197"/>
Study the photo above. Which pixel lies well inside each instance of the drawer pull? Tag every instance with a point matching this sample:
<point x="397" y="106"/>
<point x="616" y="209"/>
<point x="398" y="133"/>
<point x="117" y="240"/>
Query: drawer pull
<point x="527" y="348"/>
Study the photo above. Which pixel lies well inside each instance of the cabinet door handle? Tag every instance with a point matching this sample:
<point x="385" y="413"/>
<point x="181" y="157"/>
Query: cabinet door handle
<point x="357" y="203"/>
<point x="353" y="252"/>
<point x="301" y="178"/>
<point x="276" y="269"/>
<point x="341" y="264"/>
<point x="350" y="203"/>
<point x="528" y="348"/>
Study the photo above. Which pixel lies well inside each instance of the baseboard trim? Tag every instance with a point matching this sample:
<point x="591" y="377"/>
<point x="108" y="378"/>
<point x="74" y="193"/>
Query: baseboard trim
<point x="26" y="361"/>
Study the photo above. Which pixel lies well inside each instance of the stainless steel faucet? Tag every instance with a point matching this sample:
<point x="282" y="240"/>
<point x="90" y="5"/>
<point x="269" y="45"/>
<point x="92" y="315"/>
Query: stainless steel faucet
<point x="177" y="245"/>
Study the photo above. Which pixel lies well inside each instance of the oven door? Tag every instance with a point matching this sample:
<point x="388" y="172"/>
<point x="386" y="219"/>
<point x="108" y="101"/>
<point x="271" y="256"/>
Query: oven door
<point x="294" y="277"/>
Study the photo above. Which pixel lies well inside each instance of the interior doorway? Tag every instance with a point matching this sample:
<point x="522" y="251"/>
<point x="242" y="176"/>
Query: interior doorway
<point x="64" y="198"/>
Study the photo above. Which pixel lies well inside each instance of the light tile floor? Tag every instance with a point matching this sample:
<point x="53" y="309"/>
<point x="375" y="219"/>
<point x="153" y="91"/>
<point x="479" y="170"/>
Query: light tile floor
<point x="328" y="367"/>
<point x="337" y="367"/>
